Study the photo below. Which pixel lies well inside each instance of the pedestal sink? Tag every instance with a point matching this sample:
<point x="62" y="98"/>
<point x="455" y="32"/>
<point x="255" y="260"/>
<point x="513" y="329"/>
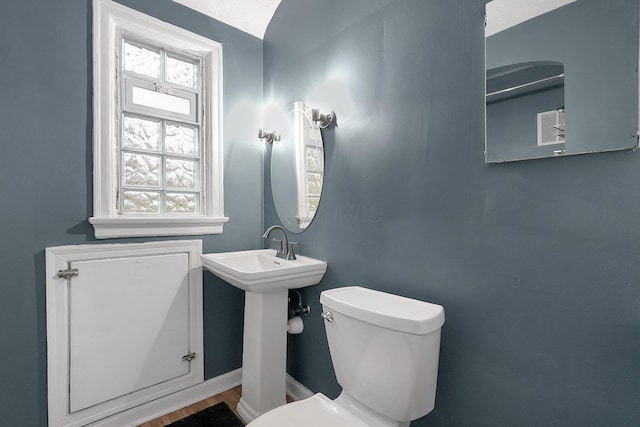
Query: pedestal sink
<point x="266" y="281"/>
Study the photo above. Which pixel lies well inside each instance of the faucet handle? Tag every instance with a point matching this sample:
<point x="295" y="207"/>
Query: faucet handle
<point x="280" y="245"/>
<point x="290" y="253"/>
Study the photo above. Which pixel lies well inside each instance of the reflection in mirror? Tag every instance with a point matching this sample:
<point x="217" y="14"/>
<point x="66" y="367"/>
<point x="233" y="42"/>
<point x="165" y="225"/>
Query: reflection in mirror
<point x="577" y="59"/>
<point x="297" y="169"/>
<point x="525" y="111"/>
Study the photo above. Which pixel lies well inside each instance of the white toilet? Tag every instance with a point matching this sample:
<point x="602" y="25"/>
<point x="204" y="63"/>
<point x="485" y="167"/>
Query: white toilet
<point x="384" y="350"/>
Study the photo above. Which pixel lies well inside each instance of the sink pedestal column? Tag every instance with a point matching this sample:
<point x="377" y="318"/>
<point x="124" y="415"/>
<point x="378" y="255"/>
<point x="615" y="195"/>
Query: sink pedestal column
<point x="264" y="353"/>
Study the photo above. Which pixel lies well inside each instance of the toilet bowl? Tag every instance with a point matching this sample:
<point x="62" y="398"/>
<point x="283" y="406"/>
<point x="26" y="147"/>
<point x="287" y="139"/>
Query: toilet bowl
<point x="384" y="350"/>
<point x="316" y="411"/>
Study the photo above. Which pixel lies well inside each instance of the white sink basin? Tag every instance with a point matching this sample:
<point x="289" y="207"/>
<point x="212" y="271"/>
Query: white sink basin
<point x="260" y="271"/>
<point x="266" y="281"/>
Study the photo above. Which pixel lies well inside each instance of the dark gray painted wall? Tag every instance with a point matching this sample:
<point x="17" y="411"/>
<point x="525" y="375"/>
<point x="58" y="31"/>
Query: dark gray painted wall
<point x="46" y="178"/>
<point x="536" y="262"/>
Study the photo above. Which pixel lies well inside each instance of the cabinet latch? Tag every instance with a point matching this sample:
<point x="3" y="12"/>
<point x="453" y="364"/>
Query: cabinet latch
<point x="189" y="357"/>
<point x="68" y="273"/>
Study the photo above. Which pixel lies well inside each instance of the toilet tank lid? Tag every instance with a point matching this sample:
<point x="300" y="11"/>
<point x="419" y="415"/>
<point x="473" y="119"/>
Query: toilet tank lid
<point x="384" y="309"/>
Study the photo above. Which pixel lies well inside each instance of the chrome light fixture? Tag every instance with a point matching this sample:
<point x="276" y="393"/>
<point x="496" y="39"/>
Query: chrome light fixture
<point x="323" y="120"/>
<point x="269" y="137"/>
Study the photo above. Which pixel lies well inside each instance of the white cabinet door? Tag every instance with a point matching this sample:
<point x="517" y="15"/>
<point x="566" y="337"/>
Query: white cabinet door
<point x="121" y="326"/>
<point x="129" y="326"/>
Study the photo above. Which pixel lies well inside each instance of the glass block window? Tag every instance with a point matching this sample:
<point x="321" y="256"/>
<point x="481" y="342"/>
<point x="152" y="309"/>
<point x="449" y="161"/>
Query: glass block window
<point x="157" y="127"/>
<point x="161" y="166"/>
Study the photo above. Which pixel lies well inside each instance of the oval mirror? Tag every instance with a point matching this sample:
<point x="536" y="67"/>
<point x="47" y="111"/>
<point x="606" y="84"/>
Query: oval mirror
<point x="297" y="169"/>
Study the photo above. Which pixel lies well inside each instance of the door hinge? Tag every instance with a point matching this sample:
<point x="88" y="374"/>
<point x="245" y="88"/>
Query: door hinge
<point x="68" y="273"/>
<point x="189" y="357"/>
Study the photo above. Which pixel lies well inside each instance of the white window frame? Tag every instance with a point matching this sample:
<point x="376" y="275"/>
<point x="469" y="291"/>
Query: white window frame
<point x="303" y="126"/>
<point x="559" y="127"/>
<point x="110" y="21"/>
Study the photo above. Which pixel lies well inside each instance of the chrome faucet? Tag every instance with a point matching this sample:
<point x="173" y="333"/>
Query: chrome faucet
<point x="285" y="250"/>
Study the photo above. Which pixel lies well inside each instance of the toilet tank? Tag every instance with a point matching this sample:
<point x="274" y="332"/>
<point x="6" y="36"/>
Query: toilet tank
<point x="384" y="349"/>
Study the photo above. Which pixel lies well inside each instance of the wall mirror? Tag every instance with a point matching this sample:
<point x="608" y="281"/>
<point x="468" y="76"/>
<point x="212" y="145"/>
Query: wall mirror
<point x="564" y="82"/>
<point x="297" y="169"/>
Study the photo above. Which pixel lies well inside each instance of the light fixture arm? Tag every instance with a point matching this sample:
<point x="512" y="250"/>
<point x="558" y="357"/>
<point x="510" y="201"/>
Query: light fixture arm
<point x="323" y="120"/>
<point x="269" y="137"/>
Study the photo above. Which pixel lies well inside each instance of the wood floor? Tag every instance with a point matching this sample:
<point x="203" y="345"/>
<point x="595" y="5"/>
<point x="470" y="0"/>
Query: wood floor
<point x="230" y="397"/>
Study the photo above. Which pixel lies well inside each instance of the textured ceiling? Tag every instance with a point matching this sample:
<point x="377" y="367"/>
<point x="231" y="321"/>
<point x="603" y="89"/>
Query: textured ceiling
<point x="251" y="16"/>
<point x="502" y="14"/>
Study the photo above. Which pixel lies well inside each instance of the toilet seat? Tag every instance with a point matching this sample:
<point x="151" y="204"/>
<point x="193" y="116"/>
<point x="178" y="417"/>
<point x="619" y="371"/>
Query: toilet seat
<point x="316" y="411"/>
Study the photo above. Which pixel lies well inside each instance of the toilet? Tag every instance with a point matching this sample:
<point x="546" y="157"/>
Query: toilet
<point x="384" y="350"/>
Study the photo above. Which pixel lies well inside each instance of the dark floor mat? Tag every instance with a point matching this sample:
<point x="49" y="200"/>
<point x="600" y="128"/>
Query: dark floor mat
<point x="218" y="415"/>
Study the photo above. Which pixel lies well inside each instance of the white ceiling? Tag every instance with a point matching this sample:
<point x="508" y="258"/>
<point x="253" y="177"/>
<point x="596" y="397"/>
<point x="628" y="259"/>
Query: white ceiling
<point x="253" y="16"/>
<point x="502" y="14"/>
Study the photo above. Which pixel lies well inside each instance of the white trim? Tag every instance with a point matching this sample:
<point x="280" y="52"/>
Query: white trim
<point x="156" y="226"/>
<point x="111" y="19"/>
<point x="299" y="138"/>
<point x="58" y="343"/>
<point x="302" y="128"/>
<point x="173" y="402"/>
<point x="296" y="390"/>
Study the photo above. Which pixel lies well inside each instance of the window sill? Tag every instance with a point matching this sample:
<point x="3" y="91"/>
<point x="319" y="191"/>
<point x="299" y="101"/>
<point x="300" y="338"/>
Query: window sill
<point x="111" y="227"/>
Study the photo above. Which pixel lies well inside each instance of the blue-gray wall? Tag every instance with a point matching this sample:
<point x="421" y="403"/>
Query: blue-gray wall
<point x="46" y="178"/>
<point x="535" y="262"/>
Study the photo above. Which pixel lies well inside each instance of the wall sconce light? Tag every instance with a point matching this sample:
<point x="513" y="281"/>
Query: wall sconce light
<point x="323" y="120"/>
<point x="269" y="137"/>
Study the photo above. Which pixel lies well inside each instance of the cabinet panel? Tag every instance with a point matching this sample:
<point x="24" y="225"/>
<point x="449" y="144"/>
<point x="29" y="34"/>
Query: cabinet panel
<point x="120" y="319"/>
<point x="129" y="326"/>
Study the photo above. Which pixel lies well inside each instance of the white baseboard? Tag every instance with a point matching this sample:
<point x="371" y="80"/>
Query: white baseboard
<point x="296" y="390"/>
<point x="173" y="402"/>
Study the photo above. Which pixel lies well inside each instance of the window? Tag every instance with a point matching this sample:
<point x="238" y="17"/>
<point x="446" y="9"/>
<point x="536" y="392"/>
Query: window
<point x="160" y="132"/>
<point x="157" y="127"/>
